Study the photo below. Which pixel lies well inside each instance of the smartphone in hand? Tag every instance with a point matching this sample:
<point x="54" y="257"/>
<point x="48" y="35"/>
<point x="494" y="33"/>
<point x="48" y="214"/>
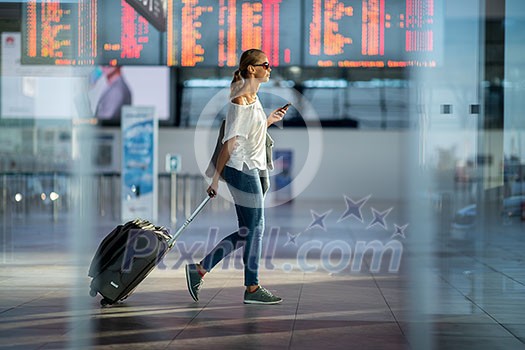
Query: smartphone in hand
<point x="279" y="124"/>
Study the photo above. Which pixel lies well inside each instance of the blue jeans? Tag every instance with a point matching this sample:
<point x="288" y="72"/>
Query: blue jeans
<point x="246" y="189"/>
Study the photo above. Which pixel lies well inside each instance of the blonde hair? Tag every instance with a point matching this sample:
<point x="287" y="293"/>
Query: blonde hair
<point x="248" y="57"/>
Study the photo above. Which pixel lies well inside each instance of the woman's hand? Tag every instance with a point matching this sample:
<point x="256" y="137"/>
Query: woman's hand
<point x="276" y="115"/>
<point x="213" y="188"/>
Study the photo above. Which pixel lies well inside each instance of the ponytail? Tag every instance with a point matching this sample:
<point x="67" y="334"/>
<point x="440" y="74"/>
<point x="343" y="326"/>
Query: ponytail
<point x="236" y="84"/>
<point x="237" y="76"/>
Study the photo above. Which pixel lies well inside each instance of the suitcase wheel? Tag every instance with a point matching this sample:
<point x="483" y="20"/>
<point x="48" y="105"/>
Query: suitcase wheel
<point x="92" y="293"/>
<point x="104" y="302"/>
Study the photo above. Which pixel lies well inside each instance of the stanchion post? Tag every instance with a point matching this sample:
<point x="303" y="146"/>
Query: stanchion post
<point x="4" y="219"/>
<point x="4" y="193"/>
<point x="187" y="196"/>
<point x="173" y="199"/>
<point x="173" y="166"/>
<point x="54" y="202"/>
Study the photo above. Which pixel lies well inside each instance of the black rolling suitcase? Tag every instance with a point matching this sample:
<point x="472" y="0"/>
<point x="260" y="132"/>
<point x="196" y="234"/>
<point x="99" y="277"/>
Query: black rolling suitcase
<point x="128" y="254"/>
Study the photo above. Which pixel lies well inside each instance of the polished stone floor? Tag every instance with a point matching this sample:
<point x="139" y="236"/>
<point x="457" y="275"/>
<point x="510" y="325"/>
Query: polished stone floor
<point x="332" y="298"/>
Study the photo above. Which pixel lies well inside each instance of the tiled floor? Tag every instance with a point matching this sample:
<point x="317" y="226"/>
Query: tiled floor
<point x="329" y="303"/>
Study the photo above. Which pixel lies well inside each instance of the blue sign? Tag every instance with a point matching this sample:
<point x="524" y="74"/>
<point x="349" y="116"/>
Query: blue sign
<point x="139" y="159"/>
<point x="173" y="163"/>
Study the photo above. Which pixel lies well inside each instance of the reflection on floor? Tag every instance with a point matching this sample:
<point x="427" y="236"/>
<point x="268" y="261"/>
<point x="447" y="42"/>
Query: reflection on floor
<point x="334" y="297"/>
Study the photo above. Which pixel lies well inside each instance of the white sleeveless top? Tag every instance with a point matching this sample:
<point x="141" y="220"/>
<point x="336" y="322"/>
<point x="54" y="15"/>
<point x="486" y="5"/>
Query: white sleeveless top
<point x="248" y="123"/>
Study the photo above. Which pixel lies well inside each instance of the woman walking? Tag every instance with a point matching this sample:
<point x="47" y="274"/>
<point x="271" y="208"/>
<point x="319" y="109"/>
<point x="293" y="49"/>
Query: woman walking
<point x="241" y="160"/>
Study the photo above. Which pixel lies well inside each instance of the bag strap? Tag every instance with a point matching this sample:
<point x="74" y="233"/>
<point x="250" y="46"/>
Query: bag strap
<point x="210" y="170"/>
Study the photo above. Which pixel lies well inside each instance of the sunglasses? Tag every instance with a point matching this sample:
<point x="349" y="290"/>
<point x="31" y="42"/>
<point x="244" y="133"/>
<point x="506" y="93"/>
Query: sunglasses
<point x="265" y="65"/>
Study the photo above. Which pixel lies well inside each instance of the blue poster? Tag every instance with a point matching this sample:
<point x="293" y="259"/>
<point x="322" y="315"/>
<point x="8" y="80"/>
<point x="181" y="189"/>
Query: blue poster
<point x="139" y="163"/>
<point x="283" y="175"/>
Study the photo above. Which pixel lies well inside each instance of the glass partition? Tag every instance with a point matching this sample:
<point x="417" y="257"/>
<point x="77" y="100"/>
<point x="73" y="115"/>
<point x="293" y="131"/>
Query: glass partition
<point x="442" y="168"/>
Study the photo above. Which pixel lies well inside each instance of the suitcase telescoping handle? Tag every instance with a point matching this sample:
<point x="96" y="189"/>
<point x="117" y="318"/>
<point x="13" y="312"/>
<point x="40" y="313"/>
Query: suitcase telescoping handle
<point x="188" y="221"/>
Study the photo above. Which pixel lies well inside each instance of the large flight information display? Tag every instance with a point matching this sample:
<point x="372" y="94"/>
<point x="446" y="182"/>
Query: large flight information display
<point x="87" y="32"/>
<point x="371" y="33"/>
<point x="311" y="33"/>
<point x="215" y="32"/>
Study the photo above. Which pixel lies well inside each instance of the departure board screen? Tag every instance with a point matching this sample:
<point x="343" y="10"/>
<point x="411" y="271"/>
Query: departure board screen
<point x="153" y="10"/>
<point x="215" y="32"/>
<point x="371" y="33"/>
<point x="87" y="32"/>
<point x="130" y="40"/>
